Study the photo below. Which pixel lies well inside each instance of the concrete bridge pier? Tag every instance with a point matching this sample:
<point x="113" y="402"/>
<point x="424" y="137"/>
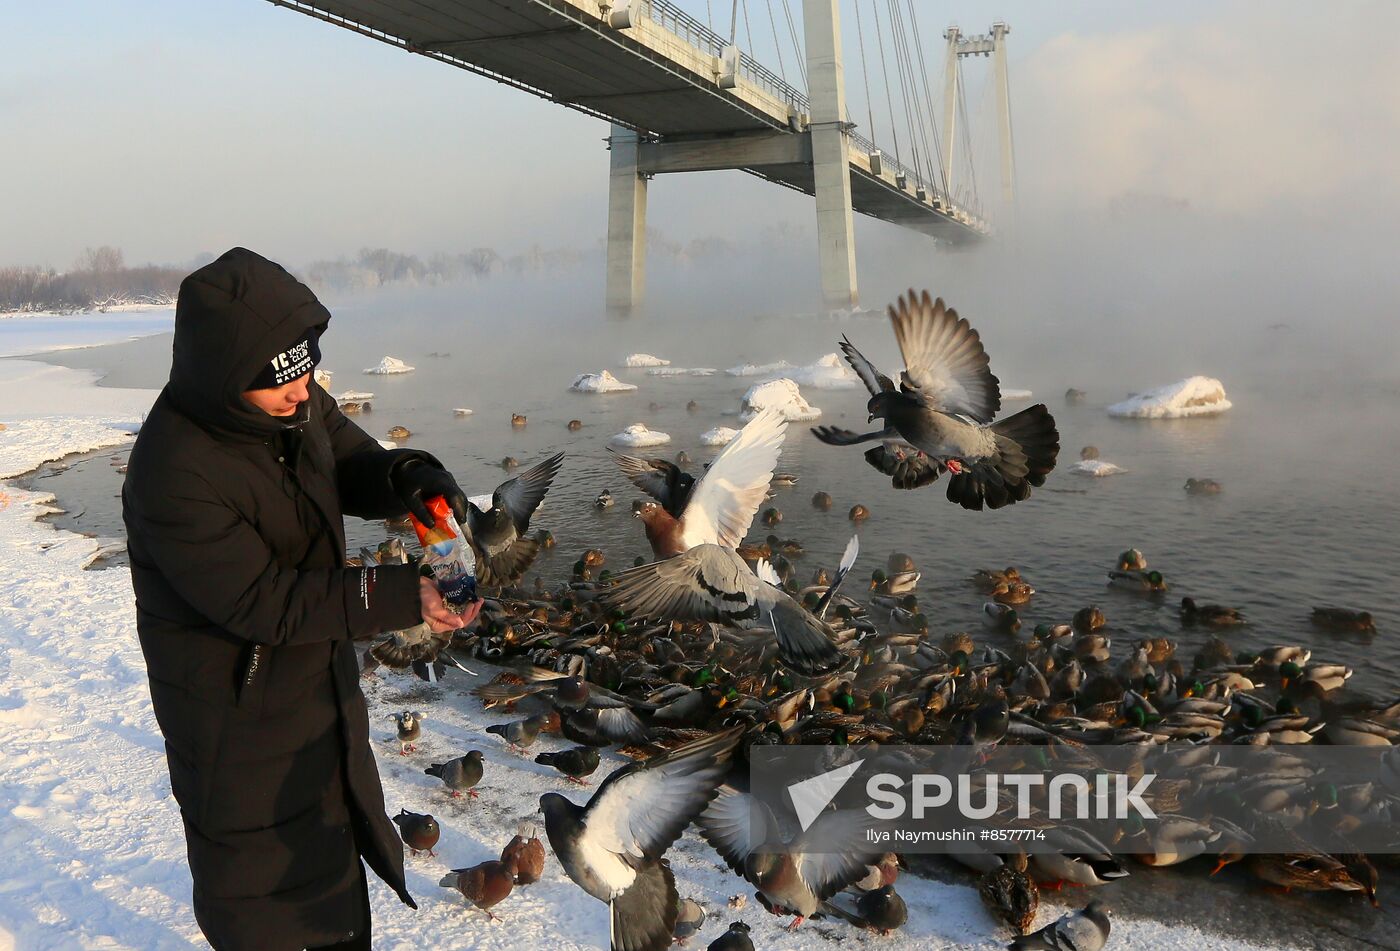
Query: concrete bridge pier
<point x="831" y="169"/>
<point x="627" y="223"/>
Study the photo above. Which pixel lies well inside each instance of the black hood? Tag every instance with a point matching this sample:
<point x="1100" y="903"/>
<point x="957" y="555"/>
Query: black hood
<point x="233" y="316"/>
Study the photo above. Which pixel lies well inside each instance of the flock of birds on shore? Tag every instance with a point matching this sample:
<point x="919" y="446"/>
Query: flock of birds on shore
<point x="685" y="663"/>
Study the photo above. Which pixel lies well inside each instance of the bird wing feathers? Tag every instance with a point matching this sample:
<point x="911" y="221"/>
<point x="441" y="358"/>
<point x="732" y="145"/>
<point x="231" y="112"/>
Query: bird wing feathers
<point x="643" y="807"/>
<point x="653" y="476"/>
<point x="736" y="825"/>
<point x="945" y="365"/>
<point x="723" y="503"/>
<point x="875" y="381"/>
<point x="520" y="496"/>
<point x="844" y="854"/>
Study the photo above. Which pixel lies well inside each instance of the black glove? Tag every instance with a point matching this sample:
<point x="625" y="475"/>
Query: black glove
<point x="417" y="480"/>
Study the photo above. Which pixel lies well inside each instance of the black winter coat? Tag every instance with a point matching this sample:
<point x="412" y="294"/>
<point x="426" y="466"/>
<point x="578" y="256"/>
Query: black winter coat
<point x="246" y="610"/>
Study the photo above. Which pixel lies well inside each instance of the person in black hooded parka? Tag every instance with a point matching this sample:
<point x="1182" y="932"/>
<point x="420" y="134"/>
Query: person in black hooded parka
<point x="233" y="504"/>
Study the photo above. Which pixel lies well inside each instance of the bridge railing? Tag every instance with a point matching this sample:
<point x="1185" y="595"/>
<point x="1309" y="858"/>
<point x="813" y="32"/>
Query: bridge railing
<point x="673" y="18"/>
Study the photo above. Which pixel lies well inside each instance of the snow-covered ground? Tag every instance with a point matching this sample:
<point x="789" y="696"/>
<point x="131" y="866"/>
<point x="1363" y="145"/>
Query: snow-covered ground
<point x="97" y="846"/>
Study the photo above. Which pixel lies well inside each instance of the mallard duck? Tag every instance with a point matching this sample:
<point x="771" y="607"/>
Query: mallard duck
<point x="1314" y="678"/>
<point x="1357" y="731"/>
<point x="546" y="538"/>
<point x="1159" y="649"/>
<point x="858" y="513"/>
<point x="1073" y="396"/>
<point x="1305" y="871"/>
<point x="351" y="408"/>
<point x="1272" y="658"/>
<point x="1088" y="620"/>
<point x="1089" y="452"/>
<point x="682" y="458"/>
<point x="821" y="501"/>
<point x="1009" y="893"/>
<point x="1079" y="859"/>
<point x="604" y="500"/>
<point x="1001" y="617"/>
<point x="399" y="432"/>
<point x="1202" y="487"/>
<point x="575" y="425"/>
<point x="518" y="420"/>
<point x="593" y="557"/>
<point x="1173" y="839"/>
<point x="1344" y="619"/>
<point x="1092" y="648"/>
<point x="1216" y="615"/>
<point x="1013" y="593"/>
<point x="784" y="479"/>
<point x="987" y="580"/>
<point x="896" y="583"/>
<point x="1144" y="582"/>
<point x="789" y="547"/>
<point x="509" y="462"/>
<point x="1132" y="560"/>
<point x="771" y="516"/>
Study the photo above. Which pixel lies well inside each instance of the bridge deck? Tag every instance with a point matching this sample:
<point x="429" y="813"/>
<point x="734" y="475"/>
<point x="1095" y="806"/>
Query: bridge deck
<point x="660" y="76"/>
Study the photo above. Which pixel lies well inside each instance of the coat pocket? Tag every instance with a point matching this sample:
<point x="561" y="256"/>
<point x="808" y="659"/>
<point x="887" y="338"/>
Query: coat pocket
<point x="253" y="678"/>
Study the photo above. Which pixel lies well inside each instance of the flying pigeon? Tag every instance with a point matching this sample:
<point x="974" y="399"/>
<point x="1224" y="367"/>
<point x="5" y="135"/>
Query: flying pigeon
<point x="503" y="551"/>
<point x="944" y="406"/>
<point x="1085" y="930"/>
<point x="720" y="506"/>
<point x="582" y="704"/>
<point x="612" y="848"/>
<point x="712" y="583"/>
<point x="789" y="878"/>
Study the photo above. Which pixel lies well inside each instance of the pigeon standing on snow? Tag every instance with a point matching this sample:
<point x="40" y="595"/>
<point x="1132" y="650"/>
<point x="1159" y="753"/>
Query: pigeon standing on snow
<point x="735" y="939"/>
<point x="712" y="583"/>
<point x="575" y="763"/>
<point x="460" y="774"/>
<point x="1085" y="930"/>
<point x="945" y="404"/>
<point x="484" y="885"/>
<point x="503" y="552"/>
<point x="527" y="852"/>
<point x="612" y="848"/>
<point x="419" y="832"/>
<point x="718" y="508"/>
<point x="520" y="733"/>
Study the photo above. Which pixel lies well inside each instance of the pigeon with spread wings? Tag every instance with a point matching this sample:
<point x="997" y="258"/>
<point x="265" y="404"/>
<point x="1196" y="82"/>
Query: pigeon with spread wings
<point x="612" y="848"/>
<point x="712" y="583"/>
<point x="720" y="506"/>
<point x="503" y="552"/>
<point x="944" y="406"/>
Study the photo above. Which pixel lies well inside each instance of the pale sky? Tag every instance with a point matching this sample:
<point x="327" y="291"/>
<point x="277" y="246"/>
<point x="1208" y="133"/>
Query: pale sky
<point x="170" y="128"/>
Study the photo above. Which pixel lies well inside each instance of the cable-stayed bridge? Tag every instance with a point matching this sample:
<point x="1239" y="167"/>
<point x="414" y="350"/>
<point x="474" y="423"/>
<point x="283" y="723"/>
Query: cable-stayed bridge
<point x="681" y="97"/>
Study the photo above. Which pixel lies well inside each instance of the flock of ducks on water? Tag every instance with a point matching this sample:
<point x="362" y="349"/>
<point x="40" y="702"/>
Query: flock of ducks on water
<point x="684" y="664"/>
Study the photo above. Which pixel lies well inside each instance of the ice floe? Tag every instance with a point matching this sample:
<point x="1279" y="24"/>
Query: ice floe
<point x="1096" y="468"/>
<point x="1193" y="396"/>
<point x="682" y="371"/>
<point x="645" y="360"/>
<point x="357" y="396"/>
<point x="602" y="382"/>
<point x="719" y="436"/>
<point x="1010" y="393"/>
<point x="461" y="411"/>
<point x="828" y="373"/>
<point x="390" y="365"/>
<point x="637" y="435"/>
<point x="782" y="395"/>
<point x="758" y="369"/>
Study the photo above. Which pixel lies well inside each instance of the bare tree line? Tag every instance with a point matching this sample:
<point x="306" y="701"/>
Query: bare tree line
<point x="100" y="279"/>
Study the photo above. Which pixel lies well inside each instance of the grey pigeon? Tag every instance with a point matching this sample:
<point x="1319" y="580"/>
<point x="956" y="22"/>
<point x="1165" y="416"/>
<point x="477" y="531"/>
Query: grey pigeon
<point x="789" y="878"/>
<point x="503" y="551"/>
<point x="690" y="918"/>
<point x="848" y="561"/>
<point x="520" y="733"/>
<point x="907" y="467"/>
<point x="612" y="848"/>
<point x="877" y="909"/>
<point x="712" y="583"/>
<point x="591" y="708"/>
<point x="1085" y="930"/>
<point x="459" y="774"/>
<point x="944" y="406"/>
<point x="574" y="763"/>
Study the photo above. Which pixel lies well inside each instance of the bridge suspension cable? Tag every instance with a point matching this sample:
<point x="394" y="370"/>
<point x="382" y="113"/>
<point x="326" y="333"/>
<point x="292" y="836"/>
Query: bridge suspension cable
<point x="865" y="73"/>
<point x="796" y="46"/>
<point x="777" y="44"/>
<point x="889" y="98"/>
<point x="942" y="179"/>
<point x="975" y="203"/>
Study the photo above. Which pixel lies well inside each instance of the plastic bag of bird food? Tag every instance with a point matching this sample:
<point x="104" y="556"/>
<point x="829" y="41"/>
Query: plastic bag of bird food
<point x="447" y="554"/>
